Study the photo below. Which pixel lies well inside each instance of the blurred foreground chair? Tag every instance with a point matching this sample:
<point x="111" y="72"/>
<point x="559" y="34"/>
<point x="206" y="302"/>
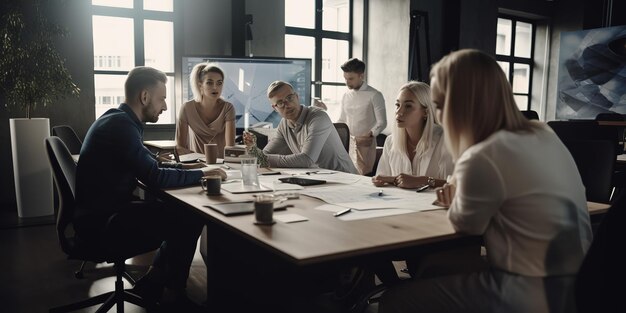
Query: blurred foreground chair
<point x="110" y="250"/>
<point x="603" y="271"/>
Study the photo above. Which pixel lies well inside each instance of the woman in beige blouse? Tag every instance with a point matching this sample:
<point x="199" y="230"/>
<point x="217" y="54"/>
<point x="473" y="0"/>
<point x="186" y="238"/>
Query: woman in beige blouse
<point x="207" y="118"/>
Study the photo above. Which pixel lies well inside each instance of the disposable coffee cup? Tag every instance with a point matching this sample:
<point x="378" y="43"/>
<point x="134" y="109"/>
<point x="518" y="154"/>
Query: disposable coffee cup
<point x="210" y="153"/>
<point x="212" y="185"/>
<point x="264" y="209"/>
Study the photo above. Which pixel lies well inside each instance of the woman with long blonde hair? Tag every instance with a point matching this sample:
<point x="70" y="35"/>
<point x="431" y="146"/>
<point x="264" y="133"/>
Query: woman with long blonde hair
<point x="514" y="183"/>
<point x="415" y="154"/>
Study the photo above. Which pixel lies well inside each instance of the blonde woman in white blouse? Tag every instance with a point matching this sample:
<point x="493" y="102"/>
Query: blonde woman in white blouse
<point x="415" y="154"/>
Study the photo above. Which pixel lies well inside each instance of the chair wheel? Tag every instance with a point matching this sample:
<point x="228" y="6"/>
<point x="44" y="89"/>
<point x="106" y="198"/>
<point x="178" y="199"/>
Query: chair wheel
<point x="79" y="274"/>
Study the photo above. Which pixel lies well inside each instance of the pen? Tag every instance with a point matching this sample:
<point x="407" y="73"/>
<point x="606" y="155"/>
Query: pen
<point x="226" y="167"/>
<point x="422" y="188"/>
<point x="340" y="213"/>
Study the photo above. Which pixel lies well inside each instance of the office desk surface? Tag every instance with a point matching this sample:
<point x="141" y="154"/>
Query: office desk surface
<point x="323" y="237"/>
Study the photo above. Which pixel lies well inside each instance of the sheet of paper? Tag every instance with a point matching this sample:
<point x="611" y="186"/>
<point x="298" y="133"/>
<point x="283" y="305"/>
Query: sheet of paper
<point x="362" y="197"/>
<point x="290" y="218"/>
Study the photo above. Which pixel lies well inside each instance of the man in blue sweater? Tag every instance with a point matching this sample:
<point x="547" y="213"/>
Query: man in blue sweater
<point x="112" y="159"/>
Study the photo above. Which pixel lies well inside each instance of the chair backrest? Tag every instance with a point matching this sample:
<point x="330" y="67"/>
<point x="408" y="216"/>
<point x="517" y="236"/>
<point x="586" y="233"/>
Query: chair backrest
<point x="69" y="137"/>
<point x="344" y="134"/>
<point x="609" y="117"/>
<point x="64" y="171"/>
<point x="602" y="271"/>
<point x="586" y="130"/>
<point x="531" y="115"/>
<point x="595" y="160"/>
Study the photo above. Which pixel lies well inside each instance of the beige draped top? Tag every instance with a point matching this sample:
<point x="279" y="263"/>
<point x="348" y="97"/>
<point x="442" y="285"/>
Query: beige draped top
<point x="201" y="133"/>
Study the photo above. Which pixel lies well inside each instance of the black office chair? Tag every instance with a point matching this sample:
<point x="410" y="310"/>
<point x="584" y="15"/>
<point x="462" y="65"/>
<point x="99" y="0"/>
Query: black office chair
<point x="585" y="130"/>
<point x="344" y="134"/>
<point x="110" y="250"/>
<point x="530" y="114"/>
<point x="595" y="160"/>
<point x="69" y="137"/>
<point x="610" y="117"/>
<point x="602" y="271"/>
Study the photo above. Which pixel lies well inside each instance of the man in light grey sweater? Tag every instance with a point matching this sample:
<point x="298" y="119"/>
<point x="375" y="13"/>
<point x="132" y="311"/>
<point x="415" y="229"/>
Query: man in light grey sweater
<point x="305" y="138"/>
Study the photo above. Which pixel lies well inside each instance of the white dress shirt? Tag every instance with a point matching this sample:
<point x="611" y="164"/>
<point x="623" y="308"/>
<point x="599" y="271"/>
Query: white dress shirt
<point x="523" y="192"/>
<point x="363" y="110"/>
<point x="436" y="162"/>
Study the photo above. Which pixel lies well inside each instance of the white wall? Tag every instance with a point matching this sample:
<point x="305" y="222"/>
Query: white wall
<point x="268" y="28"/>
<point x="388" y="49"/>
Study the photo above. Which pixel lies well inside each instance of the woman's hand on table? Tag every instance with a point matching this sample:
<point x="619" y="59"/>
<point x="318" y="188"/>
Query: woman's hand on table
<point x="410" y="181"/>
<point x="381" y="180"/>
<point x="445" y="195"/>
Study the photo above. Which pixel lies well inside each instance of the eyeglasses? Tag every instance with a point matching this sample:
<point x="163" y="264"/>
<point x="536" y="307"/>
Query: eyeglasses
<point x="281" y="103"/>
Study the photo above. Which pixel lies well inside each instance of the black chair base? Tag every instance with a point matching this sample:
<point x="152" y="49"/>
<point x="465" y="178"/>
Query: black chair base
<point x="119" y="296"/>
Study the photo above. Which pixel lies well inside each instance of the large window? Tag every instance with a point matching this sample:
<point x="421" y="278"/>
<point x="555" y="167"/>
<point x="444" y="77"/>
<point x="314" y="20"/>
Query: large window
<point x="514" y="51"/>
<point x="321" y="30"/>
<point x="129" y="33"/>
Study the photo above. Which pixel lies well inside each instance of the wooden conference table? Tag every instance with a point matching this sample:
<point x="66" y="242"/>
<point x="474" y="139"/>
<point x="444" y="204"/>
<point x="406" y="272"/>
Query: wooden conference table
<point x="322" y="242"/>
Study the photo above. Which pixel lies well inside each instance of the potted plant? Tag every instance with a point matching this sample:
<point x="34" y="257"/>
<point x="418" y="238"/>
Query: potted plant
<point x="32" y="73"/>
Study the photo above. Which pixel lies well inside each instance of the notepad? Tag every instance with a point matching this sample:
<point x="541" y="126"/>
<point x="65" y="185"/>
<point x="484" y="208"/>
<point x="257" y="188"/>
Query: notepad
<point x="239" y="208"/>
<point x="240" y="188"/>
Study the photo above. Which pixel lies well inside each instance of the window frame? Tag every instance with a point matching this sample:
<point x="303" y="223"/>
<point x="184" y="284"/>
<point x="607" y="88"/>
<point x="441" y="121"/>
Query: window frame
<point x="138" y="14"/>
<point x="512" y="59"/>
<point x="319" y="34"/>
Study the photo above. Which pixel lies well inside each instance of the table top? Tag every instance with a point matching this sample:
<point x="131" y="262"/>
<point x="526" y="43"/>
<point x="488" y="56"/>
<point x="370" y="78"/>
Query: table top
<point x="325" y="237"/>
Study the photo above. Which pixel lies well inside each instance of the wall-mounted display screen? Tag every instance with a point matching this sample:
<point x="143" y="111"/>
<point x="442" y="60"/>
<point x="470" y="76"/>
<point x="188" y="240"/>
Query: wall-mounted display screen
<point x="246" y="81"/>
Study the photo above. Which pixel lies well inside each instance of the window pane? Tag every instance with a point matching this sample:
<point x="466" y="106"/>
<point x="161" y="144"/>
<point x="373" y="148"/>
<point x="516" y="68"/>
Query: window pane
<point x="334" y="53"/>
<point x="521" y="75"/>
<point x="158" y="5"/>
<point x="331" y="96"/>
<point x="503" y="37"/>
<point x="159" y="45"/>
<point x="108" y="88"/>
<point x="113" y="43"/>
<point x="505" y="69"/>
<point x="301" y="47"/>
<point x="336" y="15"/>
<point x="114" y="3"/>
<point x="522" y="102"/>
<point x="169" y="116"/>
<point x="523" y="33"/>
<point x="300" y="13"/>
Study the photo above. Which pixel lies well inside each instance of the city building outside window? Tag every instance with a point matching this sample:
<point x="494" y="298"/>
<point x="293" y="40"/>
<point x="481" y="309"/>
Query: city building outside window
<point x="321" y="30"/>
<point x="515" y="53"/>
<point x="129" y="33"/>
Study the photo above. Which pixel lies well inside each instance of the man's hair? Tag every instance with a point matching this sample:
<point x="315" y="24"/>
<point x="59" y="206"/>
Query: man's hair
<point x="197" y="74"/>
<point x="273" y="88"/>
<point x="353" y="65"/>
<point x="140" y="78"/>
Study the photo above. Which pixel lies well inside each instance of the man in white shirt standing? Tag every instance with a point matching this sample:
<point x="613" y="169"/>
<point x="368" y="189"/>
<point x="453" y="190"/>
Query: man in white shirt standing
<point x="363" y="110"/>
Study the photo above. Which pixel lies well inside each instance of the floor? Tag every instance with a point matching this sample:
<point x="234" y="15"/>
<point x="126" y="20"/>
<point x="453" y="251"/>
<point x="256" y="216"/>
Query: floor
<point x="36" y="275"/>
